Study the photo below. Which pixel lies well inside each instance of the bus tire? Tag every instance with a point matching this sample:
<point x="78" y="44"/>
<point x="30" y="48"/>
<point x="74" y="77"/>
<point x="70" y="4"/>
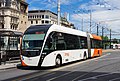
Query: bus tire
<point x="58" y="61"/>
<point x="85" y="56"/>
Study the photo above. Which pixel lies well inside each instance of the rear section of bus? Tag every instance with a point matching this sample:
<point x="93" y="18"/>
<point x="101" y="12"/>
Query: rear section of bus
<point x="96" y="46"/>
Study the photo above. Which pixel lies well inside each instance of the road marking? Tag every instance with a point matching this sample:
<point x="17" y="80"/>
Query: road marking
<point x="114" y="58"/>
<point x="115" y="79"/>
<point x="81" y="62"/>
<point x="74" y="65"/>
<point x="49" y="74"/>
<point x="59" y="76"/>
<point x="94" y="77"/>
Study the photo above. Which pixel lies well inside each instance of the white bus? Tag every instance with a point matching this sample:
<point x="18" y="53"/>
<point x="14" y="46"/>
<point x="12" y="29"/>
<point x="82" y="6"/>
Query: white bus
<point x="54" y="45"/>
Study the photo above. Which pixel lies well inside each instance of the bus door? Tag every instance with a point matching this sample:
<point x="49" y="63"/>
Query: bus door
<point x="89" y="45"/>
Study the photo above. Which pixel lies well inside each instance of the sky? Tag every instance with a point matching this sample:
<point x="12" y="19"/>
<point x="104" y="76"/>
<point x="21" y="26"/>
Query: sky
<point x="105" y="13"/>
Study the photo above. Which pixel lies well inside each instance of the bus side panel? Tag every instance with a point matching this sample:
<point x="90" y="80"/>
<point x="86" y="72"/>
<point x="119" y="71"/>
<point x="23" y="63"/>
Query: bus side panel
<point x="49" y="60"/>
<point x="67" y="56"/>
<point x="30" y="61"/>
<point x="96" y="52"/>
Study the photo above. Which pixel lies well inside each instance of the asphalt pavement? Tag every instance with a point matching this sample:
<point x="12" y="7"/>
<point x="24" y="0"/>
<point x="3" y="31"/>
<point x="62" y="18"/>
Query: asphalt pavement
<point x="104" y="68"/>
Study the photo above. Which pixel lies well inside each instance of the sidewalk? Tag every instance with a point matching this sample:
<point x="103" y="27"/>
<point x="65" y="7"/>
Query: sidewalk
<point x="13" y="64"/>
<point x="107" y="50"/>
<point x="9" y="64"/>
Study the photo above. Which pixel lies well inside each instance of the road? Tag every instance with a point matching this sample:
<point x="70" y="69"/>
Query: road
<point x="104" y="68"/>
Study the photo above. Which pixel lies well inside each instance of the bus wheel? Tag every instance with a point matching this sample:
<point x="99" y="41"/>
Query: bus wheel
<point x="58" y="61"/>
<point x="85" y="56"/>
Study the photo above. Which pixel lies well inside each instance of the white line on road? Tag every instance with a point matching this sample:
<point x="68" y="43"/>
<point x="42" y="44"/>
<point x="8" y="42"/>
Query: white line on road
<point x="115" y="79"/>
<point x="95" y="77"/>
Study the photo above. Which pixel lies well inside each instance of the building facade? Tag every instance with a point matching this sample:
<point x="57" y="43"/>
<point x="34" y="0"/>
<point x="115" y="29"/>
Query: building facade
<point x="36" y="17"/>
<point x="13" y="21"/>
<point x="12" y="13"/>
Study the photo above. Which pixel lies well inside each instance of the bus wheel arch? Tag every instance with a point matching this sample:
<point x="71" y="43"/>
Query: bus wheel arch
<point x="58" y="60"/>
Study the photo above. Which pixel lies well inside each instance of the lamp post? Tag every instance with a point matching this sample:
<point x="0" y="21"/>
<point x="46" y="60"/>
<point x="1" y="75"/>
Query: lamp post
<point x="110" y="38"/>
<point x="90" y="20"/>
<point x="58" y="21"/>
<point x="0" y="50"/>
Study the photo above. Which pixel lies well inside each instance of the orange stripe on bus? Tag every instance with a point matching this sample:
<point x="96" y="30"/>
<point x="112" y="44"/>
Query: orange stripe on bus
<point x="97" y="52"/>
<point x="23" y="64"/>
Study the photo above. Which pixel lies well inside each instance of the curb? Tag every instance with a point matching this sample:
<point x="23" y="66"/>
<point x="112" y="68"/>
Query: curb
<point x="8" y="66"/>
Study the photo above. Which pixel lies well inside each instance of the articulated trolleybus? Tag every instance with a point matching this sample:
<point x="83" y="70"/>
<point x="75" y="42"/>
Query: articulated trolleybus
<point x="53" y="45"/>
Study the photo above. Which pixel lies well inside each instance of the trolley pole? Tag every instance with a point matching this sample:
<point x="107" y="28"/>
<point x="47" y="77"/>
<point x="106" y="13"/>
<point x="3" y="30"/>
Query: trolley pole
<point x="82" y="24"/>
<point x="110" y="38"/>
<point x="58" y="21"/>
<point x="90" y="20"/>
<point x="102" y="36"/>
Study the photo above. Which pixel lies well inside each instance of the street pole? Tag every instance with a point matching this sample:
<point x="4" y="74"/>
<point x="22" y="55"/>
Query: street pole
<point x="102" y="36"/>
<point x="110" y="38"/>
<point x="58" y="21"/>
<point x="90" y="20"/>
<point x="82" y="24"/>
<point x="97" y="29"/>
<point x="0" y="50"/>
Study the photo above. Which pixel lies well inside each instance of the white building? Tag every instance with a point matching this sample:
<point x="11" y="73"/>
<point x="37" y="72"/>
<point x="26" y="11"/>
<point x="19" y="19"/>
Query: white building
<point x="11" y="13"/>
<point x="36" y="17"/>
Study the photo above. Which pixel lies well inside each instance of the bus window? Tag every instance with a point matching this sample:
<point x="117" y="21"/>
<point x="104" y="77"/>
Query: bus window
<point x="83" y="42"/>
<point x="59" y="41"/>
<point x="70" y="44"/>
<point x="49" y="45"/>
<point x="96" y="43"/>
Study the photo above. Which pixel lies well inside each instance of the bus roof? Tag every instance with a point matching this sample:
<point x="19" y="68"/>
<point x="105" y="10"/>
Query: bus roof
<point x="53" y="27"/>
<point x="67" y="30"/>
<point x="96" y="37"/>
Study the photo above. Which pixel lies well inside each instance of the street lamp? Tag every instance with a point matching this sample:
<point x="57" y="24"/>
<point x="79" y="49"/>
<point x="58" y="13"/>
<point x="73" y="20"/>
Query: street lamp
<point x="58" y="21"/>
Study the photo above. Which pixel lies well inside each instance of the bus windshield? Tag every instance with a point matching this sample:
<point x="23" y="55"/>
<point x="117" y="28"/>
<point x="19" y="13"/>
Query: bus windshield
<point x="32" y="41"/>
<point x="33" y="37"/>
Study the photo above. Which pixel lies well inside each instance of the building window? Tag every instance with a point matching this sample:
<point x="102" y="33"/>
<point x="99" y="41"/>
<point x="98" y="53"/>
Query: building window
<point x="36" y="22"/>
<point x="35" y="16"/>
<point x="39" y="16"/>
<point x="31" y="22"/>
<point x="2" y="26"/>
<point x="42" y="16"/>
<point x="46" y="22"/>
<point x="21" y="22"/>
<point x="11" y="26"/>
<point x="2" y="12"/>
<point x="42" y="22"/>
<point x="47" y="16"/>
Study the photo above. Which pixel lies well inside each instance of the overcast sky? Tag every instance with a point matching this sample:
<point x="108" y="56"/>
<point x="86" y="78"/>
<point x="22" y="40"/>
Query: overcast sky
<point x="104" y="12"/>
